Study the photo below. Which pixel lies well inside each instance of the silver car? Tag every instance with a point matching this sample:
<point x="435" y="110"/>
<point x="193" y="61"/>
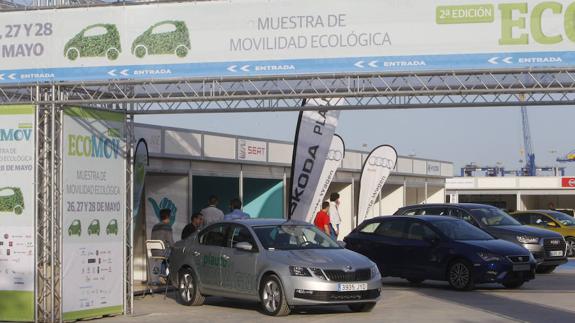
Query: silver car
<point x="280" y="263"/>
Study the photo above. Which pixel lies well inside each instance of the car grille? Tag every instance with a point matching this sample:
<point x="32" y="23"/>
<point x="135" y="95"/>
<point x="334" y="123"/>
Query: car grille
<point x="554" y="244"/>
<point x="327" y="296"/>
<point x="518" y="259"/>
<point x="352" y="276"/>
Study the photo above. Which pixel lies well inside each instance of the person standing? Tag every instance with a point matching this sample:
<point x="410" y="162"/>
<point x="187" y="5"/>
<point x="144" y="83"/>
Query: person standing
<point x="195" y="224"/>
<point x="163" y="229"/>
<point x="334" y="216"/>
<point x="237" y="213"/>
<point x="322" y="219"/>
<point x="211" y="213"/>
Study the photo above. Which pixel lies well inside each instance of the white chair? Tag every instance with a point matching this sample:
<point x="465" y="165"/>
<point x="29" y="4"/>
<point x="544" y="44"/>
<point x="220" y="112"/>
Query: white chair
<point x="156" y="251"/>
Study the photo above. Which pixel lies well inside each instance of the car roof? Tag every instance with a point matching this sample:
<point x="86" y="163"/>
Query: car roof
<point x="538" y="211"/>
<point x="462" y="205"/>
<point x="262" y="222"/>
<point x="426" y="218"/>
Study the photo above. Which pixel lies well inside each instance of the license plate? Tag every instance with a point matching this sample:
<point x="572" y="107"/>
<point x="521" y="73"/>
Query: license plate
<point x="525" y="267"/>
<point x="352" y="287"/>
<point x="557" y="253"/>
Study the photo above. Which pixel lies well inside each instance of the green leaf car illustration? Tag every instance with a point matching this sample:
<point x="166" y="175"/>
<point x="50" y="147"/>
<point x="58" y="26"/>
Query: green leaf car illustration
<point x="163" y="38"/>
<point x="75" y="228"/>
<point x="100" y="40"/>
<point x="112" y="227"/>
<point x="94" y="227"/>
<point x="11" y="200"/>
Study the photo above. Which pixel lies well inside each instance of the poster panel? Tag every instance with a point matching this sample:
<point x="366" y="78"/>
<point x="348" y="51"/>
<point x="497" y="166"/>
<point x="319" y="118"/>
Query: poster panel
<point x="94" y="178"/>
<point x="282" y="37"/>
<point x="17" y="212"/>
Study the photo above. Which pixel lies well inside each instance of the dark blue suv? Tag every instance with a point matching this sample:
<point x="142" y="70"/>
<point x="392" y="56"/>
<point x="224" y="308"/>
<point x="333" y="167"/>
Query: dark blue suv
<point x="441" y="248"/>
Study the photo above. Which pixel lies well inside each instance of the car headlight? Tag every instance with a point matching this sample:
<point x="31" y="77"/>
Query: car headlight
<point x="299" y="271"/>
<point x="375" y="272"/>
<point x="528" y="239"/>
<point x="318" y="273"/>
<point x="488" y="257"/>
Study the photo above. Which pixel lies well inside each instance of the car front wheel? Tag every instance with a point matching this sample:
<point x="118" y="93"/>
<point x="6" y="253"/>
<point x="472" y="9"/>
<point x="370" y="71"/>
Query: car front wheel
<point x="188" y="289"/>
<point x="272" y="297"/>
<point x="361" y="307"/>
<point x="460" y="275"/>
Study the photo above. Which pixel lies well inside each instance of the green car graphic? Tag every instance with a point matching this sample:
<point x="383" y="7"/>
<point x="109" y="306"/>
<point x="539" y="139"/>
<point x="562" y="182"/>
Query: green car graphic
<point x="112" y="227"/>
<point x="163" y="38"/>
<point x="75" y="228"/>
<point x="95" y="41"/>
<point x="11" y="200"/>
<point x="94" y="227"/>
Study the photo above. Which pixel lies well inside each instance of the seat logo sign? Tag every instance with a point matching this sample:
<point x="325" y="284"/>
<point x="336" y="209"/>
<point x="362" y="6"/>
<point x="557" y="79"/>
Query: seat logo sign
<point x="568" y="182"/>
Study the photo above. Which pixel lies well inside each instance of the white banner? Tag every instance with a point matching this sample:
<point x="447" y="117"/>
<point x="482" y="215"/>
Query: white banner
<point x="333" y="162"/>
<point x="279" y="37"/>
<point x="313" y="138"/>
<point x="94" y="206"/>
<point x="17" y="212"/>
<point x="252" y="150"/>
<point x="376" y="169"/>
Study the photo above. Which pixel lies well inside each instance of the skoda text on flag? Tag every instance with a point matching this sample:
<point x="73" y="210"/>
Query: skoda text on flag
<point x="283" y="37"/>
<point x="334" y="159"/>
<point x="376" y="169"/>
<point x="314" y="133"/>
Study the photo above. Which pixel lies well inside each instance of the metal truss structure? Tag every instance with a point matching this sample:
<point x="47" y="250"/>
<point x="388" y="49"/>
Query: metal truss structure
<point x="358" y="91"/>
<point x="256" y="94"/>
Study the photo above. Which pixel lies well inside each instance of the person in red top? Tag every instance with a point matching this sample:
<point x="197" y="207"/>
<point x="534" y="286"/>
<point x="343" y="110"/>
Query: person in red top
<point x="322" y="219"/>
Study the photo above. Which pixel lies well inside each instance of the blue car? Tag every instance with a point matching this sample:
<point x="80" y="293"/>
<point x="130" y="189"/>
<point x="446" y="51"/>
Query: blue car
<point x="441" y="248"/>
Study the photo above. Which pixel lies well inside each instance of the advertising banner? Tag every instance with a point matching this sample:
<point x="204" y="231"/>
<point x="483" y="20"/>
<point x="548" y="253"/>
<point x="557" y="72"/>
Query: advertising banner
<point x="333" y="162"/>
<point x="376" y="169"/>
<point x="314" y="133"/>
<point x="17" y="212"/>
<point x="94" y="178"/>
<point x="252" y="150"/>
<point x="282" y="37"/>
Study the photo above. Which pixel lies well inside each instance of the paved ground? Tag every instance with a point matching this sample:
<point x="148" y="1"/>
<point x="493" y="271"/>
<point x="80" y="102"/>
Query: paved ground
<point x="549" y="298"/>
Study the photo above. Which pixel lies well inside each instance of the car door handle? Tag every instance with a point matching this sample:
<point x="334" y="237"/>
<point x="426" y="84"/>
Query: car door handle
<point x="195" y="253"/>
<point x="226" y="257"/>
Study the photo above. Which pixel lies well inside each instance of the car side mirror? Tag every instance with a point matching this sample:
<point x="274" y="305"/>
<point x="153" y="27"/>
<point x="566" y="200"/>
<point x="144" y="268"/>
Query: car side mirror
<point x="245" y="246"/>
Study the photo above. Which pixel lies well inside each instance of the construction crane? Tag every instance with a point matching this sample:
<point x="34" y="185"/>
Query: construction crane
<point x="530" y="169"/>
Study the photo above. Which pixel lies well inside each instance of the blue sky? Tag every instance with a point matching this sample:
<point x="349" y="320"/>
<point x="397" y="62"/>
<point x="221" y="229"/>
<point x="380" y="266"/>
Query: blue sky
<point x="480" y="135"/>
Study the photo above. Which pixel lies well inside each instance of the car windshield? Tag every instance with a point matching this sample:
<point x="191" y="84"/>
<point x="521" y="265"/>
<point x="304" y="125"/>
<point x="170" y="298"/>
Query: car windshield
<point x="492" y="217"/>
<point x="564" y="219"/>
<point x="461" y="230"/>
<point x="294" y="237"/>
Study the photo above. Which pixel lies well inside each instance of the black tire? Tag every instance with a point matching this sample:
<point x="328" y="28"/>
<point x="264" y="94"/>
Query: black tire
<point x="460" y="275"/>
<point x="272" y="297"/>
<point x="188" y="291"/>
<point x="415" y="280"/>
<point x="513" y="284"/>
<point x="545" y="269"/>
<point x="361" y="307"/>
<point x="570" y="246"/>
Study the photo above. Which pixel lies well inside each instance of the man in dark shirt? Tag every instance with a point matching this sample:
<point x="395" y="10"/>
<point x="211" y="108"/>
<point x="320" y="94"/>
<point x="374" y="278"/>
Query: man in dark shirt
<point x="196" y="222"/>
